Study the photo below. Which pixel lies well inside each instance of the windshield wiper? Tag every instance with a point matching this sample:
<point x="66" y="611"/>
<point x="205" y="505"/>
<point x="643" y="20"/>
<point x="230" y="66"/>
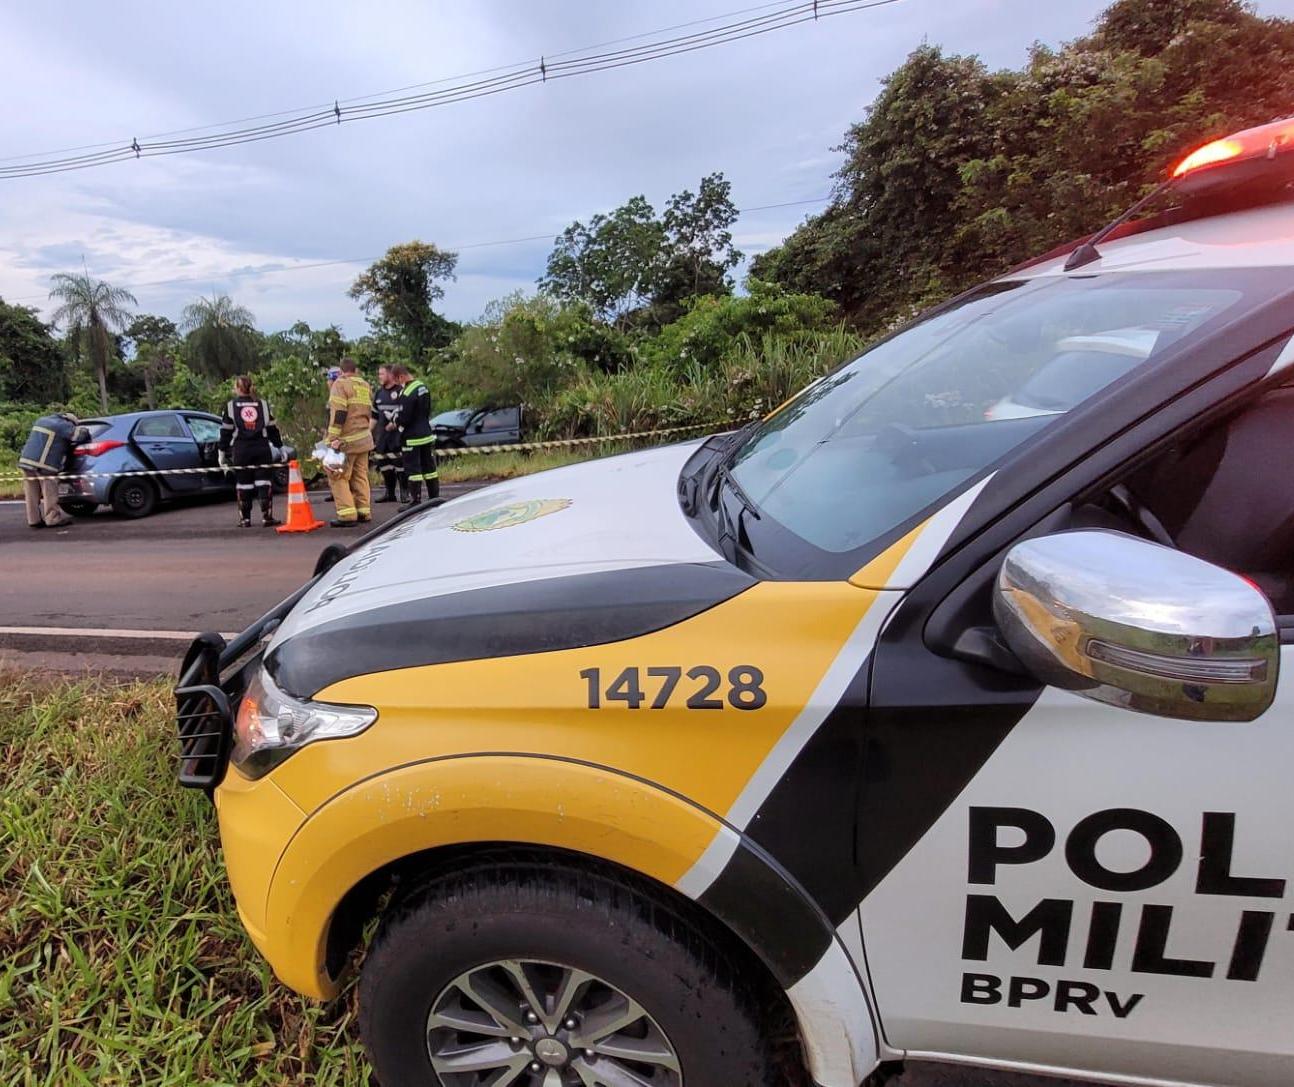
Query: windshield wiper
<point x="730" y="530"/>
<point x="736" y="440"/>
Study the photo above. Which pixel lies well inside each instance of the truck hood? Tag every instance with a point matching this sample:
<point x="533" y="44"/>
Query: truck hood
<point x="578" y="555"/>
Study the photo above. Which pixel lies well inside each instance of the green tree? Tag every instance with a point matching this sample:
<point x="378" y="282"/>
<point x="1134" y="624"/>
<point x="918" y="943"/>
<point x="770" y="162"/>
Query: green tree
<point x="31" y="364"/>
<point x="320" y="347"/>
<point x="156" y="344"/>
<point x="399" y="292"/>
<point x="611" y="264"/>
<point x="957" y="172"/>
<point x="636" y="269"/>
<point x="698" y="252"/>
<point x="91" y="311"/>
<point x="222" y="340"/>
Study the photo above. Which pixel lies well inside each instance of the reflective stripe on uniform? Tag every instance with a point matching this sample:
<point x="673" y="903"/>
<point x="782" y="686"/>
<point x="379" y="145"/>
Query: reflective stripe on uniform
<point x="411" y="443"/>
<point x="42" y="464"/>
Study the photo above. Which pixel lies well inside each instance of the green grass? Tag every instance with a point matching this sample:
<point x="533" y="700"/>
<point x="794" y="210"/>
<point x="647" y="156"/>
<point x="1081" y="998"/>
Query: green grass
<point x="9" y="467"/>
<point x="487" y="466"/>
<point x="121" y="958"/>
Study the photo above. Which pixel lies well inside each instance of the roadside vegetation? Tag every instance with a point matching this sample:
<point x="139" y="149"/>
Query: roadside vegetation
<point x="954" y="173"/>
<point x="122" y="961"/>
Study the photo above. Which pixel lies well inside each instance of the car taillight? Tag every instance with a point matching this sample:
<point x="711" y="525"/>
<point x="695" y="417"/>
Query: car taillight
<point x="96" y="449"/>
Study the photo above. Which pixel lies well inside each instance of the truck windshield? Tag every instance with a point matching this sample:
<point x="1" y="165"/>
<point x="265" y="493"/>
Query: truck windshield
<point x="866" y="448"/>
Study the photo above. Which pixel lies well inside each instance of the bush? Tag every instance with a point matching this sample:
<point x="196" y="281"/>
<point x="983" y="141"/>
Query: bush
<point x="525" y="351"/>
<point x="15" y="424"/>
<point x="298" y="396"/>
<point x="187" y="389"/>
<point x="748" y="380"/>
<point x="706" y="334"/>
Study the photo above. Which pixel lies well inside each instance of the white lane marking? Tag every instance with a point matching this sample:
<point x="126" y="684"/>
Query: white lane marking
<point x="101" y="632"/>
<point x="1284" y="359"/>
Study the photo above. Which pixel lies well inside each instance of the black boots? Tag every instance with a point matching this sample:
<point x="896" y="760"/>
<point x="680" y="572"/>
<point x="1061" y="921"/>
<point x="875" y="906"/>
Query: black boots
<point x="244" y="509"/>
<point x="414" y="495"/>
<point x="267" y="509"/>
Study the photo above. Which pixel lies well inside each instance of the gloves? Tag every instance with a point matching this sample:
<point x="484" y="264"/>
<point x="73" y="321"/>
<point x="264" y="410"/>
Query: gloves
<point x="222" y="458"/>
<point x="276" y="454"/>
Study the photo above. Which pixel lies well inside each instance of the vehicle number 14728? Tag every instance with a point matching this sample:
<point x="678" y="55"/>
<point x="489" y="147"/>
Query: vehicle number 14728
<point x="744" y="688"/>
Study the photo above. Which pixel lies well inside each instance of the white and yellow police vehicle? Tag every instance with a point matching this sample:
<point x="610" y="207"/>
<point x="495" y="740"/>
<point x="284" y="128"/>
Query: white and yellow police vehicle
<point x="900" y="726"/>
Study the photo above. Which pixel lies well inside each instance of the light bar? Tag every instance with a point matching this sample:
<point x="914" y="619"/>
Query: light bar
<point x="1185" y="669"/>
<point x="1265" y="141"/>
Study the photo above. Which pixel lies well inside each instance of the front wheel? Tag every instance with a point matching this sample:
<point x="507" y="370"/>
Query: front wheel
<point x="534" y="973"/>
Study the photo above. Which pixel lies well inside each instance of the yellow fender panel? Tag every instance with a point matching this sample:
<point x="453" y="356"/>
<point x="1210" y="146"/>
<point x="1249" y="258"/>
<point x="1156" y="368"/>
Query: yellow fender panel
<point x="459" y="800"/>
<point x="537" y="703"/>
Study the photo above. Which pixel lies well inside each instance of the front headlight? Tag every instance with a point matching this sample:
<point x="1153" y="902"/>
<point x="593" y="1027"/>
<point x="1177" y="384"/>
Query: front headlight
<point x="272" y="725"/>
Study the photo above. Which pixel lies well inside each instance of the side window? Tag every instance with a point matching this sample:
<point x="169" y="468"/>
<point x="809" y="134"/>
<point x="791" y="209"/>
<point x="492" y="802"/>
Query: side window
<point x="160" y="426"/>
<point x="1226" y="495"/>
<point x="502" y="419"/>
<point x="204" y="430"/>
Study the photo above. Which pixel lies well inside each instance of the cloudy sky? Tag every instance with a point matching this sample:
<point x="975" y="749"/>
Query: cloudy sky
<point x="245" y="220"/>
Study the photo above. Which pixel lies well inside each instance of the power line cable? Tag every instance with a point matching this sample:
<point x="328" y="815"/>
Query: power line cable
<point x="393" y="90"/>
<point x="521" y="76"/>
<point x="257" y="273"/>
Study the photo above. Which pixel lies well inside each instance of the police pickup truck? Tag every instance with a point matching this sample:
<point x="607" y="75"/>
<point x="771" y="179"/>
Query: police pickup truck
<point x="938" y="716"/>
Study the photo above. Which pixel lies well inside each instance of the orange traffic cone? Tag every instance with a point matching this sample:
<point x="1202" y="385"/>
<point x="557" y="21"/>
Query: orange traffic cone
<point x="301" y="517"/>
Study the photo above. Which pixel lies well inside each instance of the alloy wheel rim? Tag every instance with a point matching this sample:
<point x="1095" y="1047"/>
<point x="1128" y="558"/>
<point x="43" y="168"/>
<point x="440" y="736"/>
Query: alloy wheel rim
<point x="527" y="1023"/>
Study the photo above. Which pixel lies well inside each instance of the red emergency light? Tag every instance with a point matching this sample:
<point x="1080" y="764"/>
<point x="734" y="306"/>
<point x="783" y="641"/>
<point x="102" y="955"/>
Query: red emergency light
<point x="1246" y="153"/>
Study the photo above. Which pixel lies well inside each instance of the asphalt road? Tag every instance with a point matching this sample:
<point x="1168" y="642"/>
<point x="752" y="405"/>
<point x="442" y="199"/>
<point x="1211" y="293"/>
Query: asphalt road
<point x="185" y="569"/>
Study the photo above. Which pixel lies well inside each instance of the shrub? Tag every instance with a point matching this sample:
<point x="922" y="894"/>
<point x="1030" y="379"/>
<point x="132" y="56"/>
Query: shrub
<point x="706" y="334"/>
<point x="526" y="351"/>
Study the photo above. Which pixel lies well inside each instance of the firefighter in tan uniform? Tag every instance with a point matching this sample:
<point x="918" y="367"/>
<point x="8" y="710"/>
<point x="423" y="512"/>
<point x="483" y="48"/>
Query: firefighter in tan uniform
<point x="350" y="430"/>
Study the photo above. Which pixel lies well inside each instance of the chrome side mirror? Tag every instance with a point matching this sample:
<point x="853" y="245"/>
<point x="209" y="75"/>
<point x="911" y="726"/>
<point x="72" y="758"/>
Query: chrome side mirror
<point x="1127" y="622"/>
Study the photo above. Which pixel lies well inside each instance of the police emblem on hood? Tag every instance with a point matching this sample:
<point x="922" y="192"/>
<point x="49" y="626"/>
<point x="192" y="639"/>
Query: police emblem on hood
<point x="515" y="513"/>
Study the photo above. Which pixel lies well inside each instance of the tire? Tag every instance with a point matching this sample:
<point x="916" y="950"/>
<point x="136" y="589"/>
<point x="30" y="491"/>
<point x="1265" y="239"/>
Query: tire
<point x="78" y="507"/>
<point x="134" y="498"/>
<point x="546" y="916"/>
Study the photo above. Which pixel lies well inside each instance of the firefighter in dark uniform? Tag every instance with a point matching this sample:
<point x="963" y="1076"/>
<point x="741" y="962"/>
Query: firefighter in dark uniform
<point x="44" y="455"/>
<point x="417" y="438"/>
<point x="247" y="433"/>
<point x="388" y="449"/>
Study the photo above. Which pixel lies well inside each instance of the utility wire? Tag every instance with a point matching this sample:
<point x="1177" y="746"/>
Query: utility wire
<point x="394" y="90"/>
<point x="490" y="82"/>
<point x="257" y="273"/>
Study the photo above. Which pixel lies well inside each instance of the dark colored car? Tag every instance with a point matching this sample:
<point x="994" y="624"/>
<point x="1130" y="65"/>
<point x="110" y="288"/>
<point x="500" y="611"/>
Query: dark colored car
<point x="159" y="441"/>
<point x="477" y="426"/>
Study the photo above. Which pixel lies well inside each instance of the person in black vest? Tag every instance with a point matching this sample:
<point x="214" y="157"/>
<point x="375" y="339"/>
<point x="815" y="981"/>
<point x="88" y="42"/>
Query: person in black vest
<point x="43" y="457"/>
<point x="247" y="433"/>
<point x="417" y="438"/>
<point x="388" y="448"/>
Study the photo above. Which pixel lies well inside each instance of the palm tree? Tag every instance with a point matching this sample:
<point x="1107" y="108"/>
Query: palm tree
<point x="91" y="311"/>
<point x="222" y="336"/>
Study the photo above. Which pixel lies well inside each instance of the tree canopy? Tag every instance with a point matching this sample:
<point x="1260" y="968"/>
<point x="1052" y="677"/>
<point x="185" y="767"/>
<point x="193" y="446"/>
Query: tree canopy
<point x="398" y="293"/>
<point x="957" y="172"/>
<point x="92" y="311"/>
<point x="632" y="267"/>
<point x="31" y="364"/>
<point x="222" y="339"/>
